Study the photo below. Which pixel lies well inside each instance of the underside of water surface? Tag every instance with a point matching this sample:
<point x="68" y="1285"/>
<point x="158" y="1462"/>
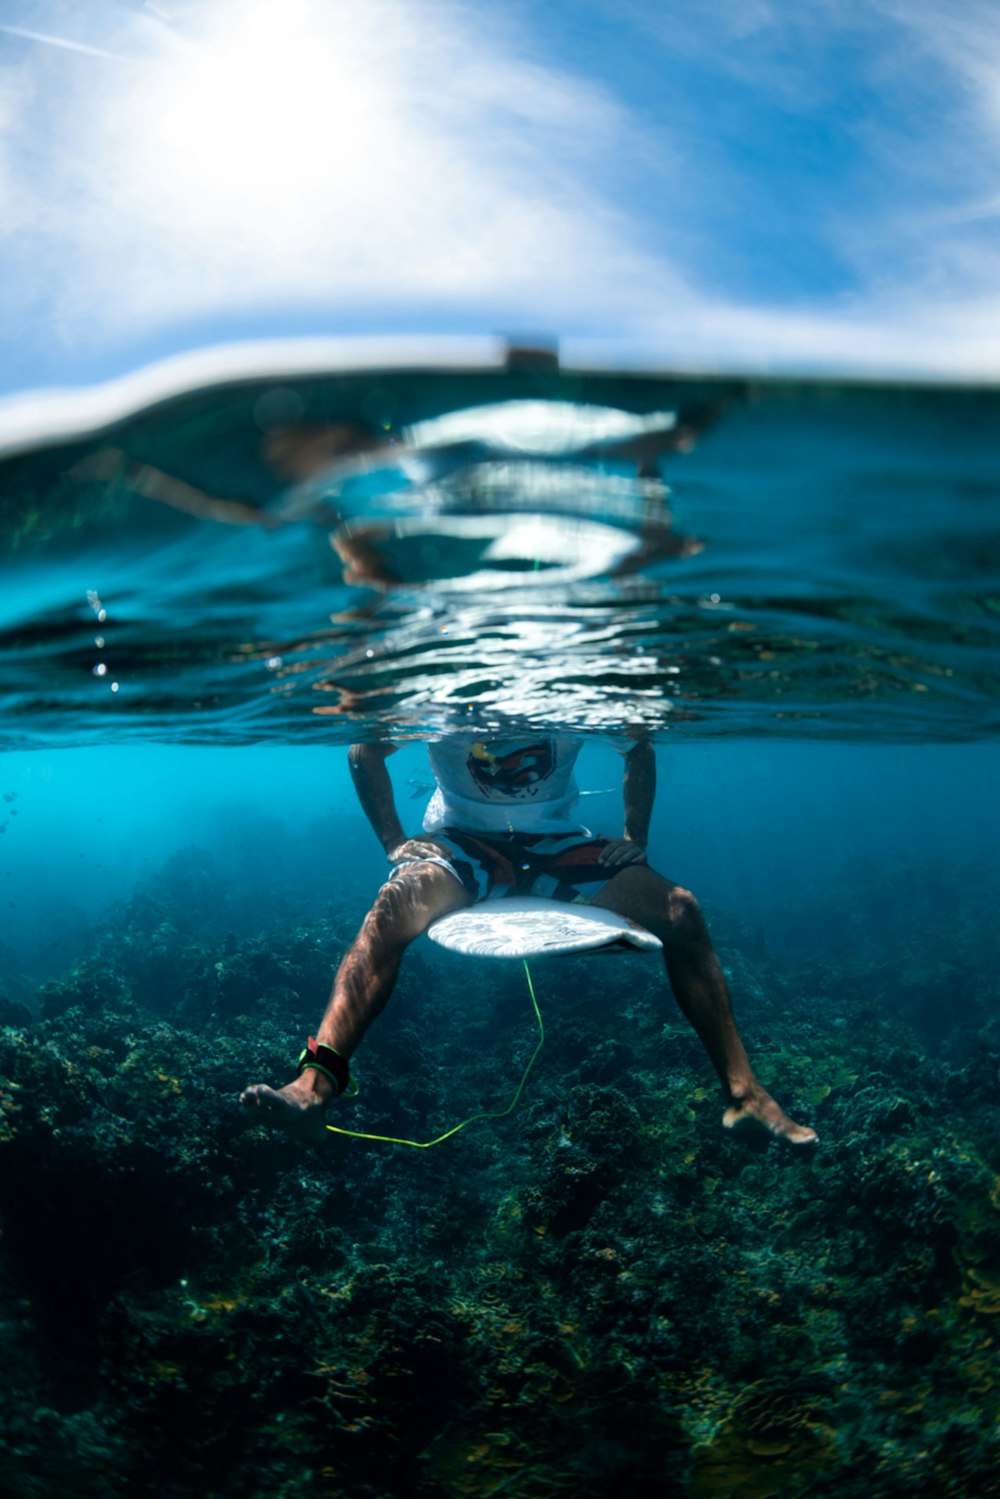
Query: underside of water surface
<point x="366" y="553"/>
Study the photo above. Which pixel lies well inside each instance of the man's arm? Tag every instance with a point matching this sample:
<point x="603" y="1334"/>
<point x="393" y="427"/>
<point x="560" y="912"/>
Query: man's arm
<point x="639" y="792"/>
<point x="374" y="790"/>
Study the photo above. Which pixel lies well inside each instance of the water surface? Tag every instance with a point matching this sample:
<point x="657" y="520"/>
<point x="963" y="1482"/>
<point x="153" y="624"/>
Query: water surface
<point x="334" y="558"/>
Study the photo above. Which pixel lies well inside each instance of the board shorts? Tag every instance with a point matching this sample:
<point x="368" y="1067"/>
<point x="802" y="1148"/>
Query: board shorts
<point x="493" y="865"/>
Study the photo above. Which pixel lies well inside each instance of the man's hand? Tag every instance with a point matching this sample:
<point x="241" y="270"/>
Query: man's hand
<point x="621" y="852"/>
<point x="412" y="850"/>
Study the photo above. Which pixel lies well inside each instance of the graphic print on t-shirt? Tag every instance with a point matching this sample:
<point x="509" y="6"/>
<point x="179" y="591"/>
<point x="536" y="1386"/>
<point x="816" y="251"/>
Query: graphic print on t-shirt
<point x="515" y="774"/>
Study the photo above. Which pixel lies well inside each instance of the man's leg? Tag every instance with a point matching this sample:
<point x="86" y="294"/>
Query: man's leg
<point x="700" y="989"/>
<point x="403" y="909"/>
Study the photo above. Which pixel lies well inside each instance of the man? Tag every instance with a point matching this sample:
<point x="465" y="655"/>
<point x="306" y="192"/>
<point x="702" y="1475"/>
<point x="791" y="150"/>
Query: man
<point x="502" y="821"/>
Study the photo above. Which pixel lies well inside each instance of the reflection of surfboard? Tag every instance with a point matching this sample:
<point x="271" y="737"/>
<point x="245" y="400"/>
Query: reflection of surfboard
<point x="530" y="927"/>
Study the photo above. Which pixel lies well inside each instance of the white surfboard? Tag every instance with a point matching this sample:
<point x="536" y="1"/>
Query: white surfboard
<point x="531" y="927"/>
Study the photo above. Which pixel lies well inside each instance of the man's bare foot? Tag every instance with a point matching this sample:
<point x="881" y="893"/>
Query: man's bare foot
<point x="757" y="1111"/>
<point x="297" y="1108"/>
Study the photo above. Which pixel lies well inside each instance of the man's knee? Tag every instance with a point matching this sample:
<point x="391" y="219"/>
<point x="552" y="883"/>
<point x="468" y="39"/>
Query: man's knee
<point x="678" y="911"/>
<point x="669" y="910"/>
<point x="683" y="910"/>
<point x="407" y="903"/>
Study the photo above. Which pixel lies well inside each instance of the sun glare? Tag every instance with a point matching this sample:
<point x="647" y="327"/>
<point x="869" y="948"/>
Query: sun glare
<point x="259" y="118"/>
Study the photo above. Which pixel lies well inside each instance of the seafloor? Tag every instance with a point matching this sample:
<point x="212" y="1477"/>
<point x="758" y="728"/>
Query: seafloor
<point x="603" y="1293"/>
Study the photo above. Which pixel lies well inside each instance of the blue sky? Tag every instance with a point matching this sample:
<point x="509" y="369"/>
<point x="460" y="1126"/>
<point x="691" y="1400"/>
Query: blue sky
<point x="708" y="183"/>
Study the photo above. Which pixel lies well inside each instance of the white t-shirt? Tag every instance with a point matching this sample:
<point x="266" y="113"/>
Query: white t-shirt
<point x="521" y="784"/>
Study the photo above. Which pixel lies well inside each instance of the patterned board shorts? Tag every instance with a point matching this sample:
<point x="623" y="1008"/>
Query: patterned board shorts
<point x="493" y="865"/>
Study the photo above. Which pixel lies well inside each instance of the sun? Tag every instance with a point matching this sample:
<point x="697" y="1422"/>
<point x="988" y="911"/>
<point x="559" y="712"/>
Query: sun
<point x="263" y="117"/>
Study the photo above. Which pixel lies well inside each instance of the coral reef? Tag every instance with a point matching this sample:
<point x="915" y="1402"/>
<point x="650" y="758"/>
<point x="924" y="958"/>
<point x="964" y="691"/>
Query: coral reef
<point x="604" y="1292"/>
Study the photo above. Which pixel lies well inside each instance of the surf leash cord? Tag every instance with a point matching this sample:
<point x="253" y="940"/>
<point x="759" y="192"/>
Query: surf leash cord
<point x="357" y="1134"/>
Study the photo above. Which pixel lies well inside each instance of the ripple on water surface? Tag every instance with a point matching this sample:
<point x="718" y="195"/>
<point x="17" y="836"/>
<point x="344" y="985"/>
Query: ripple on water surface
<point x="345" y="555"/>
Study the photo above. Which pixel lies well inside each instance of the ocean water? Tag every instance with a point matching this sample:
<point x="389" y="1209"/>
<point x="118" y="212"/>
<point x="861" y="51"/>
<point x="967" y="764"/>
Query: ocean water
<point x="792" y="587"/>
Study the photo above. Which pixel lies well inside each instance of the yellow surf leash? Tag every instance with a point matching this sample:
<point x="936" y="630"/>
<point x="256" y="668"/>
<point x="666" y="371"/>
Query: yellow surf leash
<point x="357" y="1134"/>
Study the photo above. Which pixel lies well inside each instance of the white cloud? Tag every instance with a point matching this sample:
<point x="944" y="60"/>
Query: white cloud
<point x="415" y="160"/>
<point x="965" y="37"/>
<point x="393" y="151"/>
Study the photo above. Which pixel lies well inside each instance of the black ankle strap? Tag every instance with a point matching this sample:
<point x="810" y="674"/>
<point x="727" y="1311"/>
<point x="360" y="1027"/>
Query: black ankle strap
<point x="327" y="1061"/>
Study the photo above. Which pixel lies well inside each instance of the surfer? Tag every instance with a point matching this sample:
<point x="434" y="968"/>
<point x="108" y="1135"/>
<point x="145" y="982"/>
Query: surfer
<point x="501" y="821"/>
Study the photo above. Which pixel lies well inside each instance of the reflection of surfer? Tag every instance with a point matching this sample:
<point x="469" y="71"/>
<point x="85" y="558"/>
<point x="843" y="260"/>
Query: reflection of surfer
<point x="500" y="822"/>
<point x="368" y="548"/>
<point x="113" y="466"/>
<point x="301" y="453"/>
<point x="296" y="453"/>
